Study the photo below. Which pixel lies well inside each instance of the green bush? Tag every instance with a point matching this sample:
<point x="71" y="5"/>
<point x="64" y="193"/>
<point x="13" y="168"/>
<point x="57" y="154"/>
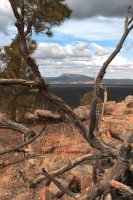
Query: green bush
<point x="87" y="99"/>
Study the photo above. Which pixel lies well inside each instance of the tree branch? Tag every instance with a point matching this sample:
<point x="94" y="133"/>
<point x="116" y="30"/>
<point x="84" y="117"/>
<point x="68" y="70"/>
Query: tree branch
<point x="22" y="82"/>
<point x="121" y="186"/>
<point x="114" y="173"/>
<point x="57" y="183"/>
<point x="99" y="79"/>
<point x="17" y="127"/>
<point x="94" y="142"/>
<point x="24" y="144"/>
<point x="89" y="157"/>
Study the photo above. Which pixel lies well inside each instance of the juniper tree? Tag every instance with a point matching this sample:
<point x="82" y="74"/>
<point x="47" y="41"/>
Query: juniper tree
<point x="38" y="16"/>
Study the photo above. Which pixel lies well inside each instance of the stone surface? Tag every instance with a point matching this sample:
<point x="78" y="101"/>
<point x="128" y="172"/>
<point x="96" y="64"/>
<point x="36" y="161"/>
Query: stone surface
<point x="129" y="98"/>
<point x="82" y="112"/>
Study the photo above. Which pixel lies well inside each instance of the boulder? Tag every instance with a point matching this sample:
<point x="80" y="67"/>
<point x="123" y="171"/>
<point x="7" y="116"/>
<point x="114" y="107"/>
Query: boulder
<point x="110" y="106"/>
<point x="48" y="115"/>
<point x="120" y="108"/>
<point x="129" y="98"/>
<point x="42" y="113"/>
<point x="31" y="116"/>
<point x="130" y="104"/>
<point x="82" y="112"/>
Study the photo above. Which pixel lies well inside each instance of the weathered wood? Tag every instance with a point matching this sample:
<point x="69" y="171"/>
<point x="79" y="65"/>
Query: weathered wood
<point x="121" y="186"/>
<point x="48" y="116"/>
<point x="89" y="158"/>
<point x="94" y="142"/>
<point x="21" y="82"/>
<point x="99" y="79"/>
<point x="58" y="184"/>
<point x="114" y="173"/>
<point x="16" y="149"/>
<point x="17" y="127"/>
<point x="105" y="101"/>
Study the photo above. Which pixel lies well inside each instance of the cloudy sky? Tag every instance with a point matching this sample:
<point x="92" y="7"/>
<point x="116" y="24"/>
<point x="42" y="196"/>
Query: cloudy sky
<point x="83" y="42"/>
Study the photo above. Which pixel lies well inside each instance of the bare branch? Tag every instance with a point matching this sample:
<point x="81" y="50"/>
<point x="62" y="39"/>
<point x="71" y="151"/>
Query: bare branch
<point x="89" y="157"/>
<point x="114" y="173"/>
<point x="17" y="127"/>
<point x="121" y="186"/>
<point x="22" y="82"/>
<point x="57" y="183"/>
<point x="130" y="21"/>
<point x="24" y="144"/>
<point x="126" y="22"/>
<point x="94" y="142"/>
<point x="116" y="135"/>
<point x="99" y="79"/>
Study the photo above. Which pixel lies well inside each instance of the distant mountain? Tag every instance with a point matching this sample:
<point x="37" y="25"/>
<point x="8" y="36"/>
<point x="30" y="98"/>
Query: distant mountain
<point x="118" y="81"/>
<point x="82" y="79"/>
<point x="70" y="79"/>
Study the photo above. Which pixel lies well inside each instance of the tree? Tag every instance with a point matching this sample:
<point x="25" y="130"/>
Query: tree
<point x="38" y="16"/>
<point x="15" y="100"/>
<point x="87" y="99"/>
<point x="122" y="158"/>
<point x="15" y="66"/>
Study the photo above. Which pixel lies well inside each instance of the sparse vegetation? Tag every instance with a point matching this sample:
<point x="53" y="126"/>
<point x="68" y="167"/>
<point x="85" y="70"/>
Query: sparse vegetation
<point x="87" y="99"/>
<point x="106" y="157"/>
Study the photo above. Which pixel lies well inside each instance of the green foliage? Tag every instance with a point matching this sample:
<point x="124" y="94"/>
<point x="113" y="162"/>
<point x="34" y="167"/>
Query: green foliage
<point x="15" y="66"/>
<point x="43" y="15"/>
<point x="39" y="16"/>
<point x="87" y="99"/>
<point x="15" y="101"/>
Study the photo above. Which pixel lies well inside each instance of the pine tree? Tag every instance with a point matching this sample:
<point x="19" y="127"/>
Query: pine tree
<point x="39" y="16"/>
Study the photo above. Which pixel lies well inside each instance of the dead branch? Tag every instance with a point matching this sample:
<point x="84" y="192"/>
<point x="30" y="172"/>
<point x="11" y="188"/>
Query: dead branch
<point x="21" y="82"/>
<point x="113" y="134"/>
<point x="105" y="101"/>
<point x="58" y="184"/>
<point x="100" y="77"/>
<point x="121" y="186"/>
<point x="89" y="158"/>
<point x="123" y="160"/>
<point x="22" y="175"/>
<point x="17" y="127"/>
<point x="93" y="141"/>
<point x="116" y="135"/>
<point x="48" y="116"/>
<point x="16" y="149"/>
<point x="114" y="173"/>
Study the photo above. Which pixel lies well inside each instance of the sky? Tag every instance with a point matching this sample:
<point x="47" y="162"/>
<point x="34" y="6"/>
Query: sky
<point x="82" y="43"/>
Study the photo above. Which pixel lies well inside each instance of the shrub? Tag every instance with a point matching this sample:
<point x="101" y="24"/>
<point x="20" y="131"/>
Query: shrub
<point x="87" y="99"/>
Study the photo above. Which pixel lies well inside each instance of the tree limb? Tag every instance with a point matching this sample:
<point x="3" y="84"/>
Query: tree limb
<point x="22" y="82"/>
<point x="24" y="144"/>
<point x="57" y="183"/>
<point x="17" y="127"/>
<point x="94" y="142"/>
<point x="89" y="157"/>
<point x="114" y="173"/>
<point x="121" y="186"/>
<point x="99" y="79"/>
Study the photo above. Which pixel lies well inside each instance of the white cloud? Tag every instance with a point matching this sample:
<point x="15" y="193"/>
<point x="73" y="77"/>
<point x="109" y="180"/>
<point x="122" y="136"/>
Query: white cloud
<point x="69" y="58"/>
<point x="93" y="29"/>
<point x="99" y="50"/>
<point x="56" y="51"/>
<point x="89" y="8"/>
<point x="78" y="59"/>
<point x="6" y="17"/>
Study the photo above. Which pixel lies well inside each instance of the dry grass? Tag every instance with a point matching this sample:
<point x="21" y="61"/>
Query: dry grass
<point x="69" y="145"/>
